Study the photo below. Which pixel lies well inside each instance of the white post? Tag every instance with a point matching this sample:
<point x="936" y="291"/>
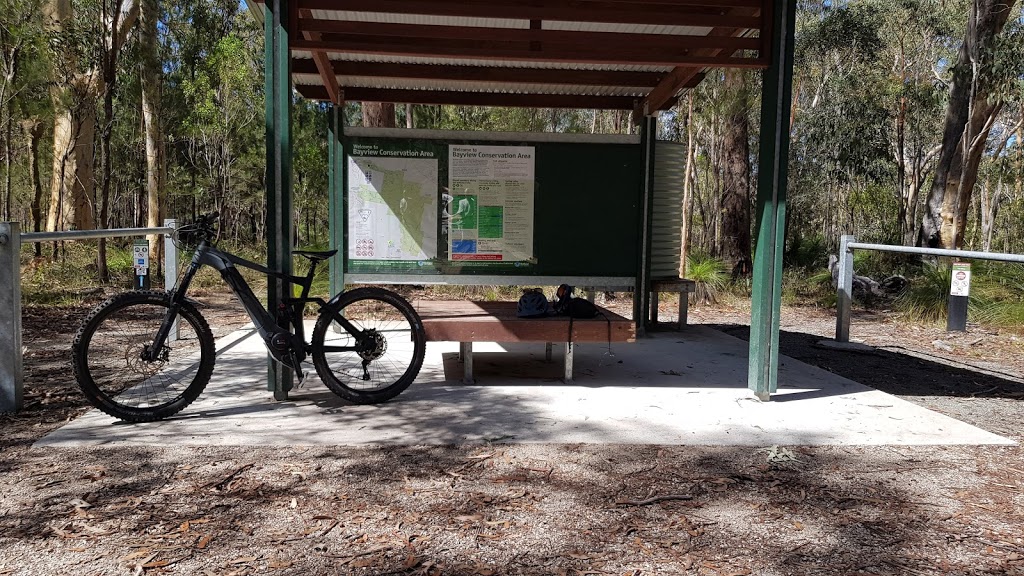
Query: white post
<point x="11" y="375"/>
<point x="844" y="289"/>
<point x="170" y="257"/>
<point x="171" y="260"/>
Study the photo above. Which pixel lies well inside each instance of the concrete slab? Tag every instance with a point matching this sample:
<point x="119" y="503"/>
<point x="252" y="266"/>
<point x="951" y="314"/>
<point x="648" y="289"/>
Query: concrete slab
<point x="673" y="388"/>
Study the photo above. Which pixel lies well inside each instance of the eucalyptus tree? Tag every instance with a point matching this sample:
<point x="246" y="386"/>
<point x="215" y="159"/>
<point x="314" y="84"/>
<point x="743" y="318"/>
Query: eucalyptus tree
<point x="976" y="97"/>
<point x="86" y="41"/>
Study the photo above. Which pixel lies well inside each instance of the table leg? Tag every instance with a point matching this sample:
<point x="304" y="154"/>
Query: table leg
<point x="568" y="361"/>
<point x="684" y="304"/>
<point x="466" y="351"/>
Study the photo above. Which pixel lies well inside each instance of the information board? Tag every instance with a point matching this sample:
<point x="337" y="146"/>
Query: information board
<point x="491" y="207"/>
<point x="489" y="203"/>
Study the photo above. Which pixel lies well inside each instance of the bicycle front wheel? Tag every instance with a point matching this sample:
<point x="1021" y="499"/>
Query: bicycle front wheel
<point x="379" y="357"/>
<point x="110" y="350"/>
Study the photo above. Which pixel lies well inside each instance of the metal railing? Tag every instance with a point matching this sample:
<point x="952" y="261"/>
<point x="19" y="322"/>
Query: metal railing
<point x="844" y="289"/>
<point x="11" y="239"/>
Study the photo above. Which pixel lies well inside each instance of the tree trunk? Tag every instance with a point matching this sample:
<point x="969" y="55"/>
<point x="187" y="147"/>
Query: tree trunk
<point x="57" y="16"/>
<point x="63" y="164"/>
<point x="378" y="114"/>
<point x="149" y="15"/>
<point x="8" y="157"/>
<point x="735" y="249"/>
<point x="966" y="126"/>
<point x="74" y="95"/>
<point x="684" y="250"/>
<point x="34" y="130"/>
<point x="83" y="184"/>
<point x="410" y="122"/>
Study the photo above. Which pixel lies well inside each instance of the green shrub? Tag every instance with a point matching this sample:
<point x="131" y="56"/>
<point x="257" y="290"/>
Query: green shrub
<point x="809" y="253"/>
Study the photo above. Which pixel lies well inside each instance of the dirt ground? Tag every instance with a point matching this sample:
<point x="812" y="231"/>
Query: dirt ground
<point x="565" y="510"/>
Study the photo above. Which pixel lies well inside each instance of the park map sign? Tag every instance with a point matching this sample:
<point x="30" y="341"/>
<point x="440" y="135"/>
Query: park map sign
<point x="396" y="213"/>
<point x="392" y="204"/>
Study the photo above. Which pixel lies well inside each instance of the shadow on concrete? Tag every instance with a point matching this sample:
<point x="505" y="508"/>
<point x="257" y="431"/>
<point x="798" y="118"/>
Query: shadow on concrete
<point x="902" y="373"/>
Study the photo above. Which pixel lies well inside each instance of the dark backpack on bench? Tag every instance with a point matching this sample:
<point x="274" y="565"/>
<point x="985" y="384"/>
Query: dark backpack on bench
<point x="566" y="305"/>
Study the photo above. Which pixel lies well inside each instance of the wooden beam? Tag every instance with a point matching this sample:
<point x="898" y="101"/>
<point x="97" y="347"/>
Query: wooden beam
<point x="682" y="76"/>
<point x="485" y="73"/>
<point x="675" y="81"/>
<point x="386" y="32"/>
<point x="603" y="54"/>
<point x="705" y="13"/>
<point x="323" y="64"/>
<point x="474" y="98"/>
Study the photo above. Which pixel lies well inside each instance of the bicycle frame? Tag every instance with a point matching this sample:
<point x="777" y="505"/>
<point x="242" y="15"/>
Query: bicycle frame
<point x="290" y="313"/>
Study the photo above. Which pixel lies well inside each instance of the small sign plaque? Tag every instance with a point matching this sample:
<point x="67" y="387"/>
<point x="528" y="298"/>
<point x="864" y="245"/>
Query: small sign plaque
<point x="961" y="282"/>
<point x="140" y="257"/>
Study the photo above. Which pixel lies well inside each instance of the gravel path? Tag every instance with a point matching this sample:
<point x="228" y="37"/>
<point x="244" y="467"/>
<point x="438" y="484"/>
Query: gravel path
<point x="564" y="510"/>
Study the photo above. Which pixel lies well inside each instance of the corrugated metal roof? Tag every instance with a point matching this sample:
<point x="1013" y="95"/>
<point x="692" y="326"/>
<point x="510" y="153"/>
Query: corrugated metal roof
<point x="462" y="86"/>
<point x="385" y="18"/>
<point x="582" y="26"/>
<point x="624" y="28"/>
<point x="400" y="59"/>
<point x="599" y="53"/>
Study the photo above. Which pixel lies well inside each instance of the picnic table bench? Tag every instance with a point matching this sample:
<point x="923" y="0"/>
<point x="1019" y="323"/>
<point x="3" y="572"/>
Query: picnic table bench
<point x="467" y="322"/>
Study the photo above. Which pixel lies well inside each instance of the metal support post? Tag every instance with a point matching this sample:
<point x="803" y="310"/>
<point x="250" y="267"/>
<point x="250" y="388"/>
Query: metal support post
<point x="956" y="316"/>
<point x="642" y="291"/>
<point x="766" y="296"/>
<point x="844" y="289"/>
<point x="11" y="376"/>
<point x="172" y="258"/>
<point x="336" y="194"/>
<point x="278" y="93"/>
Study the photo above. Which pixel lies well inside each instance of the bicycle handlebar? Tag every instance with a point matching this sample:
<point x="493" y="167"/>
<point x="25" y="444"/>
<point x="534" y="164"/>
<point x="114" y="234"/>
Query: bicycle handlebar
<point x="202" y="228"/>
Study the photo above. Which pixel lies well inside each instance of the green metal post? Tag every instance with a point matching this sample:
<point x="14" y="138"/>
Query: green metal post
<point x="278" y="92"/>
<point x="766" y="299"/>
<point x="642" y="291"/>
<point x="336" y="194"/>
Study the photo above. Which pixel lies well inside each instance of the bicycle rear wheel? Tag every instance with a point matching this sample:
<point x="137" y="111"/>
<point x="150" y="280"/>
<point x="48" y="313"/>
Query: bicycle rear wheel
<point x="385" y="355"/>
<point x="109" y="364"/>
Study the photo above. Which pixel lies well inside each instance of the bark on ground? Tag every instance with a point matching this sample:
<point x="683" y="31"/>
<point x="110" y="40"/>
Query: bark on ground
<point x="535" y="509"/>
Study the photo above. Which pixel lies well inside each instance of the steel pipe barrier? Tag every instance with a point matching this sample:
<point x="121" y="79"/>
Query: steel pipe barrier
<point x="11" y="239"/>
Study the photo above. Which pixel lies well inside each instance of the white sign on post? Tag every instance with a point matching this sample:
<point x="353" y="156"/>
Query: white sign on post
<point x="961" y="282"/>
<point x="140" y="257"/>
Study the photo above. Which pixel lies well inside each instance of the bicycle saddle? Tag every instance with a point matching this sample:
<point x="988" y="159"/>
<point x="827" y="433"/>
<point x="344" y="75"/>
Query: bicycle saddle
<point x="315" y="256"/>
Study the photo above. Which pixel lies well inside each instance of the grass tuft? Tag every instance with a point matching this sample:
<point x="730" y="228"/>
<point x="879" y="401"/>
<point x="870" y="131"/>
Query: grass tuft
<point x="710" y="278"/>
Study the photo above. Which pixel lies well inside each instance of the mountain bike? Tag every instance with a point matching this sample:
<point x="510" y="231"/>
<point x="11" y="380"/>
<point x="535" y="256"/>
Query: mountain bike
<point x="146" y="355"/>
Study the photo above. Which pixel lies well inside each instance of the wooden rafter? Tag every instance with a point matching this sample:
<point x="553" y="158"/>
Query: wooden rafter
<point x="682" y="76"/>
<point x="323" y="64"/>
<point x="511" y="75"/>
<point x="603" y="54"/>
<point x="475" y="98"/>
<point x="387" y="32"/>
<point x="709" y="13"/>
